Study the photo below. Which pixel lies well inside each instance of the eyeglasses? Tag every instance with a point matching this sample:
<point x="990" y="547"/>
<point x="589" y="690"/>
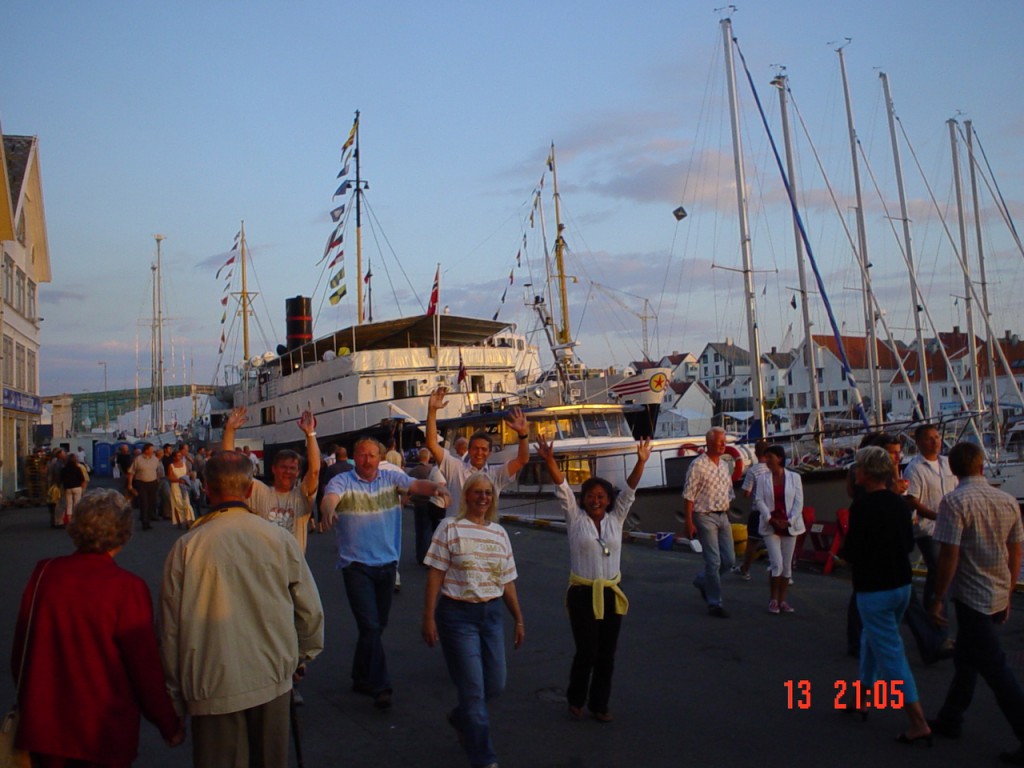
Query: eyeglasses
<point x="604" y="547"/>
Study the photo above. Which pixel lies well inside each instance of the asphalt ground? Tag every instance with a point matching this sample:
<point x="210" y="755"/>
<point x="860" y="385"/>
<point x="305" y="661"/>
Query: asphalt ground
<point x="689" y="689"/>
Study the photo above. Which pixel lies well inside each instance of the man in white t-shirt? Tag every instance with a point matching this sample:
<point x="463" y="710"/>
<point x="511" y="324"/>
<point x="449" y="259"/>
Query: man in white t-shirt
<point x="455" y="471"/>
<point x="287" y="503"/>
<point x="929" y="478"/>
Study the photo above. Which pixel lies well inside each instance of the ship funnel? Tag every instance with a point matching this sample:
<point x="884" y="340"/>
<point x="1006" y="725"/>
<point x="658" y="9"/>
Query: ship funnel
<point x="298" y="321"/>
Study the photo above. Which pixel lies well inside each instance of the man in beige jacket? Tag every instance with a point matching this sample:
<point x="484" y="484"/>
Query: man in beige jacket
<point x="239" y="613"/>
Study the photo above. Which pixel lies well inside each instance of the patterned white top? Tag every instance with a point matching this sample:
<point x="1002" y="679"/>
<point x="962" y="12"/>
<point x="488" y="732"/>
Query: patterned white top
<point x="290" y="510"/>
<point x="928" y="482"/>
<point x="708" y="485"/>
<point x="476" y="559"/>
<point x="755" y="471"/>
<point x="981" y="521"/>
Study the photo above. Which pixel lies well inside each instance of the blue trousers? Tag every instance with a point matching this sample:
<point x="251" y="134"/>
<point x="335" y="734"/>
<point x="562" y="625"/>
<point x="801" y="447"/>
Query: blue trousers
<point x="472" y="638"/>
<point x="714" y="531"/>
<point x="882" y="655"/>
<point x="369" y="589"/>
<point x="978" y="652"/>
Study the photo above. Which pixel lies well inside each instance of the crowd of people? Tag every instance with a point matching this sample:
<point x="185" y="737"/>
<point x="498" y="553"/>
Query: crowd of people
<point x="234" y="672"/>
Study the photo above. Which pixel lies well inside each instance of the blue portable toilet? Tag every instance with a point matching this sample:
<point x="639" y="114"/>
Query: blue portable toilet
<point x="102" y="455"/>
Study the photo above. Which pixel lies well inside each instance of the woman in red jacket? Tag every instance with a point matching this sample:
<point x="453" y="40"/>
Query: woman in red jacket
<point x="91" y="664"/>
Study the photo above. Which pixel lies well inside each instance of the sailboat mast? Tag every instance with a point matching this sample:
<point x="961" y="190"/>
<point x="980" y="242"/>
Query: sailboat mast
<point x="862" y="253"/>
<point x="972" y="341"/>
<point x="757" y="388"/>
<point x="915" y="290"/>
<point x="359" y="231"/>
<point x="158" y="322"/>
<point x="245" y="295"/>
<point x="563" y="332"/>
<point x="985" y="309"/>
<point x="810" y="353"/>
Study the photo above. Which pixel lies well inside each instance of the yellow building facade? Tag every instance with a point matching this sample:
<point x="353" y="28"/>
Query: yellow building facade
<point x="25" y="265"/>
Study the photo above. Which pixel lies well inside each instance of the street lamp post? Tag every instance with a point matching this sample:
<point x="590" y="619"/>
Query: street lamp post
<point x="106" y="404"/>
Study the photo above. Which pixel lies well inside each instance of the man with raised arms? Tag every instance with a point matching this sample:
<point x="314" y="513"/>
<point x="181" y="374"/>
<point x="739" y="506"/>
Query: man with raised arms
<point x="455" y="471"/>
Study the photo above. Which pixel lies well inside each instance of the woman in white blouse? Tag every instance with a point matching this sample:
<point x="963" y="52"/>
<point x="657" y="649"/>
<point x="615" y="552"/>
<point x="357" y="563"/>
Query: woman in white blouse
<point x="473" y="572"/>
<point x="596" y="603"/>
<point x="779" y="499"/>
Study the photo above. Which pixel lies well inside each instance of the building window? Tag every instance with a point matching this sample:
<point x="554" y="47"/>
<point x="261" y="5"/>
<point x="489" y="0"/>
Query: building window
<point x="8" y="369"/>
<point x="19" y="292"/>
<point x="846" y="396"/>
<point x="31" y="309"/>
<point x="32" y="386"/>
<point x="19" y="367"/>
<point x="8" y="279"/>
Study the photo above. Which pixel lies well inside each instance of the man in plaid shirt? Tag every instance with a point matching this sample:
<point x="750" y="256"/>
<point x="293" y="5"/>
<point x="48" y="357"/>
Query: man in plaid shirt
<point x="706" y="497"/>
<point x="980" y="533"/>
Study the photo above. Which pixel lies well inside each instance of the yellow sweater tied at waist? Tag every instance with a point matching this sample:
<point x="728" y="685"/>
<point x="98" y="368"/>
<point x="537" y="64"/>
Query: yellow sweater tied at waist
<point x="598" y="586"/>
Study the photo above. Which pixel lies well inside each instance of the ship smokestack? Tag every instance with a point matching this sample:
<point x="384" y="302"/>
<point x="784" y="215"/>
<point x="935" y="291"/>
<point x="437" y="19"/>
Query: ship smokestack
<point x="298" y="321"/>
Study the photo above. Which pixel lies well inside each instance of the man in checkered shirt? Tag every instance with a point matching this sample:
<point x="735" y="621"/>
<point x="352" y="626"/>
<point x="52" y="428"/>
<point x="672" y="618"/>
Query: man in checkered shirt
<point x="980" y="532"/>
<point x="706" y="497"/>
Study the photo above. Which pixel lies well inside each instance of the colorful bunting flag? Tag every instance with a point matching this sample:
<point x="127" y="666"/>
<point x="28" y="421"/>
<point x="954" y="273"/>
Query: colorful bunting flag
<point x="336" y="280"/>
<point x="337" y="212"/>
<point x="224" y="301"/>
<point x="343" y="188"/>
<point x="227" y="263"/>
<point x="351" y="136"/>
<point x="338" y="295"/>
<point x="336" y="259"/>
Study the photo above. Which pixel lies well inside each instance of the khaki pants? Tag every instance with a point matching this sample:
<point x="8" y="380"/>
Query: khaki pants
<point x="253" y="738"/>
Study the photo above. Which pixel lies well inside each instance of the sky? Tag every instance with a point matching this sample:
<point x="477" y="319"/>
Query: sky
<point x="186" y="118"/>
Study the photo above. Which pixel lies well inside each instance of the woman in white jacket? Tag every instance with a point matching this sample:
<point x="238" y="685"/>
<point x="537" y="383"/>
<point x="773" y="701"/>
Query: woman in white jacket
<point x="779" y="500"/>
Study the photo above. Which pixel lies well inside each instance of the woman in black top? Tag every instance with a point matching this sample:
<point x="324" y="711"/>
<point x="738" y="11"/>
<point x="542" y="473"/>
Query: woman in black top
<point x="877" y="547"/>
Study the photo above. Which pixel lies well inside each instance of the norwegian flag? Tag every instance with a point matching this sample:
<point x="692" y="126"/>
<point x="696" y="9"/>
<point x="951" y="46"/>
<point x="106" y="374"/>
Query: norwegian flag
<point x="434" y="295"/>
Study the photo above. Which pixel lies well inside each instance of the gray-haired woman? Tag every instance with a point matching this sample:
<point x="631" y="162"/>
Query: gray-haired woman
<point x="90" y="665"/>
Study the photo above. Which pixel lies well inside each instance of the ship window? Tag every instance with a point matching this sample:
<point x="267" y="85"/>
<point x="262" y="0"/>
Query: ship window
<point x="406" y="388"/>
<point x="577" y="471"/>
<point x="569" y="427"/>
<point x="268" y="415"/>
<point x="477" y="384"/>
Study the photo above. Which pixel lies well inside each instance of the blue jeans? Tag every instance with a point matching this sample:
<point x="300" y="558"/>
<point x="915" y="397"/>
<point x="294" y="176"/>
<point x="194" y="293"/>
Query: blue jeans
<point x="472" y="638"/>
<point x="882" y="655"/>
<point x="369" y="589"/>
<point x="978" y="653"/>
<point x="427" y="517"/>
<point x="714" y="531"/>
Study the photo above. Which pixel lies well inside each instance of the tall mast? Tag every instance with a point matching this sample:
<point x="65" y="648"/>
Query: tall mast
<point x="563" y="332"/>
<point x="359" y="231"/>
<point x="972" y="341"/>
<point x="862" y="252"/>
<point x="915" y="290"/>
<point x="985" y="309"/>
<point x="810" y="353"/>
<point x="757" y="388"/>
<point x="158" y="334"/>
<point x="245" y="295"/>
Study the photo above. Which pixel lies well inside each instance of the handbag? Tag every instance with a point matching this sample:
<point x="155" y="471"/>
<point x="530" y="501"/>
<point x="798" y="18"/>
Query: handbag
<point x="11" y="756"/>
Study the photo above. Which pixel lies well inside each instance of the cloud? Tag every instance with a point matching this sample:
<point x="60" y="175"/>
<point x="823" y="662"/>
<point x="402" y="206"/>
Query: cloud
<point x="59" y="295"/>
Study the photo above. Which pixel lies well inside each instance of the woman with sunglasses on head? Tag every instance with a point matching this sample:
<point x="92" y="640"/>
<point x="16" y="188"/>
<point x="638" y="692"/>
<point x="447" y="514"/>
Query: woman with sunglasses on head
<point x="596" y="603"/>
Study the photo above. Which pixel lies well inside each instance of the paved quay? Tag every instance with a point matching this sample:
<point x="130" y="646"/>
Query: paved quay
<point x="689" y="689"/>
